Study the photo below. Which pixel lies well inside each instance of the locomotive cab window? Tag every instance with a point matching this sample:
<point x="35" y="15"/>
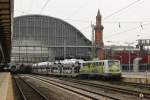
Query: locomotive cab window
<point x="113" y="63"/>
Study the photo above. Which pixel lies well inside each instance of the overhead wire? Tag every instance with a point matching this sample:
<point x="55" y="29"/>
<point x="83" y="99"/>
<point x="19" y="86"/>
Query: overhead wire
<point x="31" y="5"/>
<point x="44" y="6"/>
<point x="78" y="20"/>
<point x="85" y="27"/>
<point x="106" y="22"/>
<point x="127" y="6"/>
<point x="22" y="11"/>
<point x="126" y="30"/>
<point x="78" y="9"/>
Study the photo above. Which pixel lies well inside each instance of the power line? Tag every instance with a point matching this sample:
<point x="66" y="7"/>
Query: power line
<point x="22" y="11"/>
<point x="44" y="6"/>
<point x="110" y="22"/>
<point x="78" y="9"/>
<point x="85" y="27"/>
<point x="125" y="31"/>
<point x="122" y="9"/>
<point x="78" y="20"/>
<point x="126" y="22"/>
<point x="105" y="22"/>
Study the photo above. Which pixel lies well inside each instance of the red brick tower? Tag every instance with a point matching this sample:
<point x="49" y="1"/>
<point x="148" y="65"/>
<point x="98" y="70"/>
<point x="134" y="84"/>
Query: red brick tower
<point x="99" y="37"/>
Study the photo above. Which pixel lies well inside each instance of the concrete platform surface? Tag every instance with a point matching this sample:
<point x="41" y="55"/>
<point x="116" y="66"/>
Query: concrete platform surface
<point x="139" y="77"/>
<point x="6" y="91"/>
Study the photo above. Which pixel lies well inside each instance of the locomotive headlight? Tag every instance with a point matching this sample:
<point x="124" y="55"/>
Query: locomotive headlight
<point x="114" y="68"/>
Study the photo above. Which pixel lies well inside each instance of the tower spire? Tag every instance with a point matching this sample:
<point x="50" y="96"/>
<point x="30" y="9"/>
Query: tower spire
<point x="98" y="19"/>
<point x="98" y="13"/>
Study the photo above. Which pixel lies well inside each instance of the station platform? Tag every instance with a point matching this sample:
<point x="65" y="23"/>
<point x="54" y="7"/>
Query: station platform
<point x="6" y="89"/>
<point x="139" y="77"/>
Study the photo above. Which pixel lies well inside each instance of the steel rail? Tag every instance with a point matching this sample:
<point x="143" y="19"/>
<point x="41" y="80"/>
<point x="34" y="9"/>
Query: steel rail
<point x="113" y="88"/>
<point x="97" y="93"/>
<point x="30" y="86"/>
<point x="20" y="90"/>
<point x="142" y="85"/>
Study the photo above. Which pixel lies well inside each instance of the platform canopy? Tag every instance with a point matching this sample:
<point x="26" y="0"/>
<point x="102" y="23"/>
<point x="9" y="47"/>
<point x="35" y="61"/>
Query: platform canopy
<point x="6" y="16"/>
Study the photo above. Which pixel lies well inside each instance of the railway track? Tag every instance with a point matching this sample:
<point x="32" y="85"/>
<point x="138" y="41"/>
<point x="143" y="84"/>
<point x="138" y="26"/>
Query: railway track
<point x="105" y="87"/>
<point x="119" y="83"/>
<point x="142" y="85"/>
<point x="78" y="90"/>
<point x="27" y="91"/>
<point x="112" y="88"/>
<point x="139" y="85"/>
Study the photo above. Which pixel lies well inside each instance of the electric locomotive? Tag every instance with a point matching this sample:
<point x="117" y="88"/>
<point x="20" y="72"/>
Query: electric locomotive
<point x="101" y="68"/>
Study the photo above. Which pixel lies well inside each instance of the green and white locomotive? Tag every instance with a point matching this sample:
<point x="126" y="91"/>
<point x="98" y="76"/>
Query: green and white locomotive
<point x="101" y="68"/>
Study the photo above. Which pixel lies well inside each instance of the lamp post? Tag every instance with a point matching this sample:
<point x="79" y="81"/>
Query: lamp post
<point x="129" y="58"/>
<point x="120" y="59"/>
<point x="121" y="62"/>
<point x="129" y="53"/>
<point x="147" y="66"/>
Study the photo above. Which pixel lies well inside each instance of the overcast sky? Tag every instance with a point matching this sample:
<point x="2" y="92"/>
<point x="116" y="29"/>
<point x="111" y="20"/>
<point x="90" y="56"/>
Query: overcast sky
<point x="123" y="20"/>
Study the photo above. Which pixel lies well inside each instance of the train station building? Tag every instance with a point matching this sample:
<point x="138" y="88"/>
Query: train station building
<point x="38" y="38"/>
